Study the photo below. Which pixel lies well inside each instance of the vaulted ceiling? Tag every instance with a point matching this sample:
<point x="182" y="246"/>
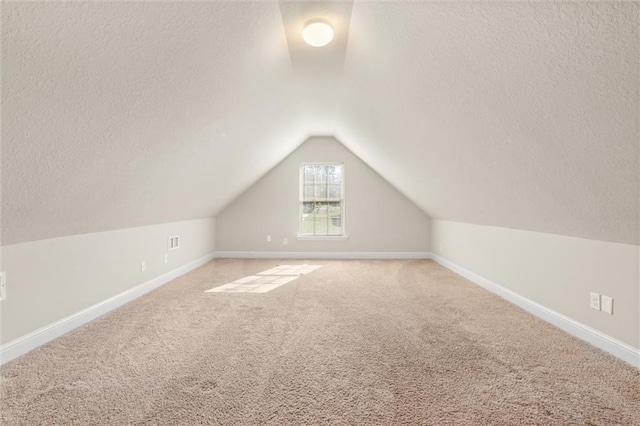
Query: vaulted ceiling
<point x="122" y="114"/>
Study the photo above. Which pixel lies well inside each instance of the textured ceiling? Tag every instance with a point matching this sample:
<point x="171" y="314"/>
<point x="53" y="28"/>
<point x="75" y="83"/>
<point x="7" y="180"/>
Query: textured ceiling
<point x="521" y="115"/>
<point x="121" y="114"/>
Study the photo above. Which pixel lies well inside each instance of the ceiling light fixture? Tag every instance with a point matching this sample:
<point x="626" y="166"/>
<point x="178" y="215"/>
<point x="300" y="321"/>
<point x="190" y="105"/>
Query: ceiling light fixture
<point x="317" y="32"/>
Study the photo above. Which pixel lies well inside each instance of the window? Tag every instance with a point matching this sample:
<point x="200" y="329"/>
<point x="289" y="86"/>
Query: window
<point x="321" y="200"/>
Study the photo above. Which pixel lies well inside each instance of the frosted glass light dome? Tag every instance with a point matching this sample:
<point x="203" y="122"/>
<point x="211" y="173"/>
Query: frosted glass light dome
<point x="317" y="32"/>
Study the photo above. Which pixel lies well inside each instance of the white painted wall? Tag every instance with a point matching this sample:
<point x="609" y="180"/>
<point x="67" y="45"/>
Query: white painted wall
<point x="553" y="270"/>
<point x="378" y="218"/>
<point x="48" y="280"/>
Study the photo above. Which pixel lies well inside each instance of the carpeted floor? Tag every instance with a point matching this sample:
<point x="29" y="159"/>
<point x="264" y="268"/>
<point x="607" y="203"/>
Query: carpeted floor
<point x="355" y="342"/>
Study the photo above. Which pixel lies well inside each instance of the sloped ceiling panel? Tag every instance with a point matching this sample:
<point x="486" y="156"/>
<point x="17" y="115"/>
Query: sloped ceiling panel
<point x="514" y="114"/>
<point x="121" y="114"/>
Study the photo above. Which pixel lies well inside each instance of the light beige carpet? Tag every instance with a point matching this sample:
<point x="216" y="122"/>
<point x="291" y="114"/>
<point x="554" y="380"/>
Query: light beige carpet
<point x="355" y="342"/>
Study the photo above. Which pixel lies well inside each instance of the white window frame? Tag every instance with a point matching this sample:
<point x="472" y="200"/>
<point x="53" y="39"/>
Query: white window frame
<point x="302" y="237"/>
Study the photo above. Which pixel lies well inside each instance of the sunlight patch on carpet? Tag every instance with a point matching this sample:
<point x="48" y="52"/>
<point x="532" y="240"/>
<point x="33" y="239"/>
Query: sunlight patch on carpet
<point x="265" y="281"/>
<point x="294" y="270"/>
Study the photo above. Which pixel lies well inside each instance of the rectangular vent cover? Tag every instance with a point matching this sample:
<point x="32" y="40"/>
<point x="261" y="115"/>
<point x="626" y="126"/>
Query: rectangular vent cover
<point x="174" y="242"/>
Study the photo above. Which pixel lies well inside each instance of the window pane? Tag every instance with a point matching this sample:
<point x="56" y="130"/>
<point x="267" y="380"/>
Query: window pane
<point x="334" y="174"/>
<point x="309" y="174"/>
<point x="308" y="191"/>
<point x="320" y="191"/>
<point x="335" y="191"/>
<point x="307" y="207"/>
<point x="306" y="225"/>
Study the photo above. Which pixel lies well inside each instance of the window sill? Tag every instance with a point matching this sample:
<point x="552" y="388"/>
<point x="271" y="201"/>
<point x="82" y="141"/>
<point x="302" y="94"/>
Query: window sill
<point x="322" y="237"/>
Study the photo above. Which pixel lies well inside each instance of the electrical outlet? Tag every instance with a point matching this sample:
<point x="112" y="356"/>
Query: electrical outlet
<point x="165" y="258"/>
<point x="143" y="266"/>
<point x="285" y="241"/>
<point x="594" y="301"/>
<point x="268" y="238"/>
<point x="607" y="304"/>
<point x="3" y="285"/>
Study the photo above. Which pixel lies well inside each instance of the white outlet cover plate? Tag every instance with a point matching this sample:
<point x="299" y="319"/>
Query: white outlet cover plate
<point x="594" y="301"/>
<point x="607" y="304"/>
<point x="3" y="285"/>
<point x="143" y="266"/>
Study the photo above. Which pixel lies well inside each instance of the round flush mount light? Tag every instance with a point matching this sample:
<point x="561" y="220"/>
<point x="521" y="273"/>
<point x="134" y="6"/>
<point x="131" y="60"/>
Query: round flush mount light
<point x="317" y="32"/>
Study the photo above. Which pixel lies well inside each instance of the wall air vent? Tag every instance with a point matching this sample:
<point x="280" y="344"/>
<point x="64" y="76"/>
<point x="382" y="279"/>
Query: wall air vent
<point x="174" y="242"/>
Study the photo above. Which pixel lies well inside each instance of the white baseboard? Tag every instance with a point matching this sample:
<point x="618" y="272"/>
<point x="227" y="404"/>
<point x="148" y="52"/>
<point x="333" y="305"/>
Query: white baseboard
<point x="28" y="342"/>
<point x="594" y="337"/>
<point x="320" y="255"/>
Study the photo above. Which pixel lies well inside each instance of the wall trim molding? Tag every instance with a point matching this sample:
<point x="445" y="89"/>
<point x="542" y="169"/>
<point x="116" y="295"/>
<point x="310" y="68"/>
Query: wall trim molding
<point x="39" y="337"/>
<point x="590" y="335"/>
<point x="321" y="255"/>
